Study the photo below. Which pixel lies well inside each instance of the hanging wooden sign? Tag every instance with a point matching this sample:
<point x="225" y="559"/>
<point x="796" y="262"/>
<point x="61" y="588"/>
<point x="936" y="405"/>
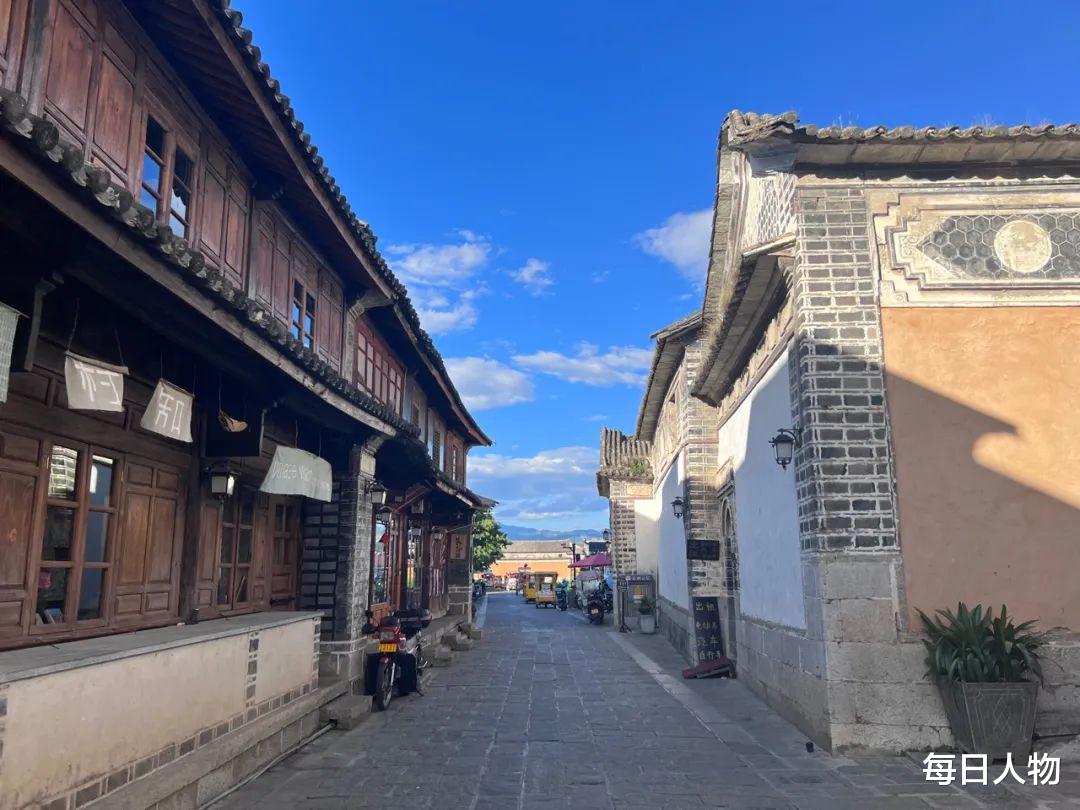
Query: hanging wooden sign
<point x="169" y="412"/>
<point x="9" y="319"/>
<point x="459" y="546"/>
<point x="298" y="472"/>
<point x="697" y="549"/>
<point x="93" y="385"/>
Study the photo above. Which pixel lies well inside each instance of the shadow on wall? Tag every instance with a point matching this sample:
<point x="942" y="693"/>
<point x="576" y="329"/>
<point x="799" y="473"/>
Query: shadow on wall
<point x="971" y="531"/>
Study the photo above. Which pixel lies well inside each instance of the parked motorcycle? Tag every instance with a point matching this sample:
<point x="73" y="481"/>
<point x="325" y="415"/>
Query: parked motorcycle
<point x="594" y="608"/>
<point x="560" y="598"/>
<point x="400" y="660"/>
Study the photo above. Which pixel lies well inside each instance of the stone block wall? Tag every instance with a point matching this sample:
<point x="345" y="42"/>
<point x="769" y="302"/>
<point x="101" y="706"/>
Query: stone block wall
<point x="675" y="624"/>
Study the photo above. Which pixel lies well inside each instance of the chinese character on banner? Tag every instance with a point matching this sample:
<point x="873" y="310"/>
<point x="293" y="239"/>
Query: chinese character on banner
<point x="93" y="385"/>
<point x="973" y="769"/>
<point x="169" y="412"/>
<point x="939" y="768"/>
<point x="1044" y="769"/>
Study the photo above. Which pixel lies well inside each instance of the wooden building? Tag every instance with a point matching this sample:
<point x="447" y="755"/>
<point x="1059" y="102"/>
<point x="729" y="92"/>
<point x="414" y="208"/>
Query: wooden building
<point x="221" y="423"/>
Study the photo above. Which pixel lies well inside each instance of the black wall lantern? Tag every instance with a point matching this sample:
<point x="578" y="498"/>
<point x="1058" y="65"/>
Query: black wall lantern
<point x="784" y="444"/>
<point x="222" y="481"/>
<point x="607" y="535"/>
<point x="678" y="506"/>
<point x="376" y="493"/>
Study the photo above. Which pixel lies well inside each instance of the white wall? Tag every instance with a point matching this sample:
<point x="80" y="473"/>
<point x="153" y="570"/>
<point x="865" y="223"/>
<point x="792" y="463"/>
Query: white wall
<point x="647" y="536"/>
<point x="766" y="513"/>
<point x="671" y="536"/>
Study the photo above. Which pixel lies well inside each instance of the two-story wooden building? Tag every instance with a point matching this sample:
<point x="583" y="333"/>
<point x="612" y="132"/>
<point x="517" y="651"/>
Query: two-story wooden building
<point x="221" y="423"/>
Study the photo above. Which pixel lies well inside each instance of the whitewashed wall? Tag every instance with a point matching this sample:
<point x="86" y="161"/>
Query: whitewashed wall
<point x="766" y="515"/>
<point x="647" y="534"/>
<point x="671" y="537"/>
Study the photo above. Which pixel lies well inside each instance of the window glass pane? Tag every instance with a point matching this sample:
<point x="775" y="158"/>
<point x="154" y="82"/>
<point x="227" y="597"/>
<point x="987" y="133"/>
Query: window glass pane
<point x="177" y="226"/>
<point x="310" y="304"/>
<point x="148" y="199"/>
<point x="241" y="585"/>
<point x="155" y="136"/>
<point x="63" y="467"/>
<point x="52" y="591"/>
<point x="227" y="546"/>
<point x="59" y="533"/>
<point x="224" y="584"/>
<point x="182" y="169"/>
<point x="228" y="514"/>
<point x="298" y="293"/>
<point x="243" y="546"/>
<point x="90" y="595"/>
<point x="97" y="527"/>
<point x="101" y="471"/>
<point x="247" y="508"/>
<point x="379" y="563"/>
<point x="151" y="177"/>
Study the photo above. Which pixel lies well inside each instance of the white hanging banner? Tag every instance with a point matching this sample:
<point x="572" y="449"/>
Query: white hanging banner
<point x="169" y="412"/>
<point x="93" y="385"/>
<point x="9" y="318"/>
<point x="298" y="472"/>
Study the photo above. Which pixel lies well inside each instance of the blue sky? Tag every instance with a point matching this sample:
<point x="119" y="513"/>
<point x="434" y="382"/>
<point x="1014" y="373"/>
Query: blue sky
<point x="540" y="174"/>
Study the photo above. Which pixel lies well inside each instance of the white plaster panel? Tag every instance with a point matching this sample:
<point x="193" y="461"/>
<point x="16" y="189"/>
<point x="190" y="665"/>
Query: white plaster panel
<point x="671" y="536"/>
<point x="283" y="665"/>
<point x="647" y="536"/>
<point x="766" y="514"/>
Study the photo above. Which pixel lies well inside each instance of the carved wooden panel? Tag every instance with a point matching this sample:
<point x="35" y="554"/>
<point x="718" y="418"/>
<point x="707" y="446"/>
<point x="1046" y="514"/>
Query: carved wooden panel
<point x="206" y="562"/>
<point x="262" y="259"/>
<point x="213" y="213"/>
<point x="329" y="319"/>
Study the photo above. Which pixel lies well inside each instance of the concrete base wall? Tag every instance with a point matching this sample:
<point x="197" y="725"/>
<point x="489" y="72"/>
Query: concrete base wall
<point x="674" y="623"/>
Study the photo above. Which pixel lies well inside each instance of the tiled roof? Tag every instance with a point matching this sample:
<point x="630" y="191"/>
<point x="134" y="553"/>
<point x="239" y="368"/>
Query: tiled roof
<point x="670" y="343"/>
<point x="242" y="38"/>
<point x="747" y="127"/>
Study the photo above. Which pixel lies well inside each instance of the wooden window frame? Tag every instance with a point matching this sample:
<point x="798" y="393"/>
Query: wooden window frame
<point x="376" y="370"/>
<point x="304" y="308"/>
<point x="81" y="507"/>
<point x="172" y="142"/>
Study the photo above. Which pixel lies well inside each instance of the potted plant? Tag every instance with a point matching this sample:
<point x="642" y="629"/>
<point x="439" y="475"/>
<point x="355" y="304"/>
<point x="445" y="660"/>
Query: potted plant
<point x="984" y="666"/>
<point x="646" y="615"/>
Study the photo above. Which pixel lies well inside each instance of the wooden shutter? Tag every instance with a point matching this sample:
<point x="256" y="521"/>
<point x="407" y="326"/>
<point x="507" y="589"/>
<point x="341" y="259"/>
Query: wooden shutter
<point x="147" y="567"/>
<point x="329" y="319"/>
<point x="207" y="555"/>
<point x="20" y="471"/>
<point x="12" y="29"/>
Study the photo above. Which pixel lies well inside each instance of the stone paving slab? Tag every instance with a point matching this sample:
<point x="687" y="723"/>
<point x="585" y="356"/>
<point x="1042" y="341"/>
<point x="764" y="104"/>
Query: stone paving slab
<point x="550" y="712"/>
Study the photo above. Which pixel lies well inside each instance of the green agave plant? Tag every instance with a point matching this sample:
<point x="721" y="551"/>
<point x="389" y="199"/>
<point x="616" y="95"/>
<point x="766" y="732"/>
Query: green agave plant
<point x="974" y="646"/>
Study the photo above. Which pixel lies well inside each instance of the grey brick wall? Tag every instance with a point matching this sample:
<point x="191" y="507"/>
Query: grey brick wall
<point x="319" y="559"/>
<point x="843" y="468"/>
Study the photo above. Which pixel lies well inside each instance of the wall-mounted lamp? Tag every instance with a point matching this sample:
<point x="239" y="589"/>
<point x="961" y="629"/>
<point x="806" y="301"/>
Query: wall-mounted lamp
<point x="784" y="444"/>
<point x="222" y="482"/>
<point x="606" y="535"/>
<point x="678" y="506"/>
<point x="376" y="493"/>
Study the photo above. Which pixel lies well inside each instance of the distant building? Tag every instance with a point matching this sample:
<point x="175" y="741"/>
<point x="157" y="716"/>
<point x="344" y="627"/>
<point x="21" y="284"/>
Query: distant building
<point x="549" y="556"/>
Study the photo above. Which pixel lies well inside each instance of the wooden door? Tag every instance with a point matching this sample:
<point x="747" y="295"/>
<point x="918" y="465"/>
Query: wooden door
<point x="284" y="552"/>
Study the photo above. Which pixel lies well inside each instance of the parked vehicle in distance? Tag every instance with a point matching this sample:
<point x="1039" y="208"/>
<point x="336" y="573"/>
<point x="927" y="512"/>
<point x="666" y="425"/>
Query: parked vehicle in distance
<point x="594" y="607"/>
<point x="545" y="595"/>
<point x="561" y="598"/>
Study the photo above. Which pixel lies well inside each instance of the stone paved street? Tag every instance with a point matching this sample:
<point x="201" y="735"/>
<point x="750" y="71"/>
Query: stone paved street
<point x="550" y="712"/>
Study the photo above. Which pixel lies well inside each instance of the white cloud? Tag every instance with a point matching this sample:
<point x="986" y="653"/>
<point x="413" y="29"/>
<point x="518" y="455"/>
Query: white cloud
<point x="533" y="276"/>
<point x="619" y="365"/>
<point x="557" y="484"/>
<point x="442" y="311"/>
<point x="596" y="417"/>
<point x="600" y="276"/>
<point x="682" y="240"/>
<point x="445" y="265"/>
<point x="485" y="384"/>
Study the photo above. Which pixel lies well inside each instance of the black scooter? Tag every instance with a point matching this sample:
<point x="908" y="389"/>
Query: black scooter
<point x="594" y="608"/>
<point x="560" y="598"/>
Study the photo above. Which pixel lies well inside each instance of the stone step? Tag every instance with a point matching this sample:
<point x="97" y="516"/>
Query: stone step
<point x="474" y="632"/>
<point x="439" y="656"/>
<point x="346" y="712"/>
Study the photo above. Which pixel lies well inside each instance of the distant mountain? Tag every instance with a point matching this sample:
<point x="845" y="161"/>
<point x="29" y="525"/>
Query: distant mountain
<point x="525" y="533"/>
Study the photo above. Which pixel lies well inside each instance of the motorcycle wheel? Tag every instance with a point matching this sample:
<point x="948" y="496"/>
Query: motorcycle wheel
<point x="384" y="686"/>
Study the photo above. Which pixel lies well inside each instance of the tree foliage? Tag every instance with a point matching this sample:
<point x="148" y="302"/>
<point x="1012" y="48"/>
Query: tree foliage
<point x="489" y="541"/>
